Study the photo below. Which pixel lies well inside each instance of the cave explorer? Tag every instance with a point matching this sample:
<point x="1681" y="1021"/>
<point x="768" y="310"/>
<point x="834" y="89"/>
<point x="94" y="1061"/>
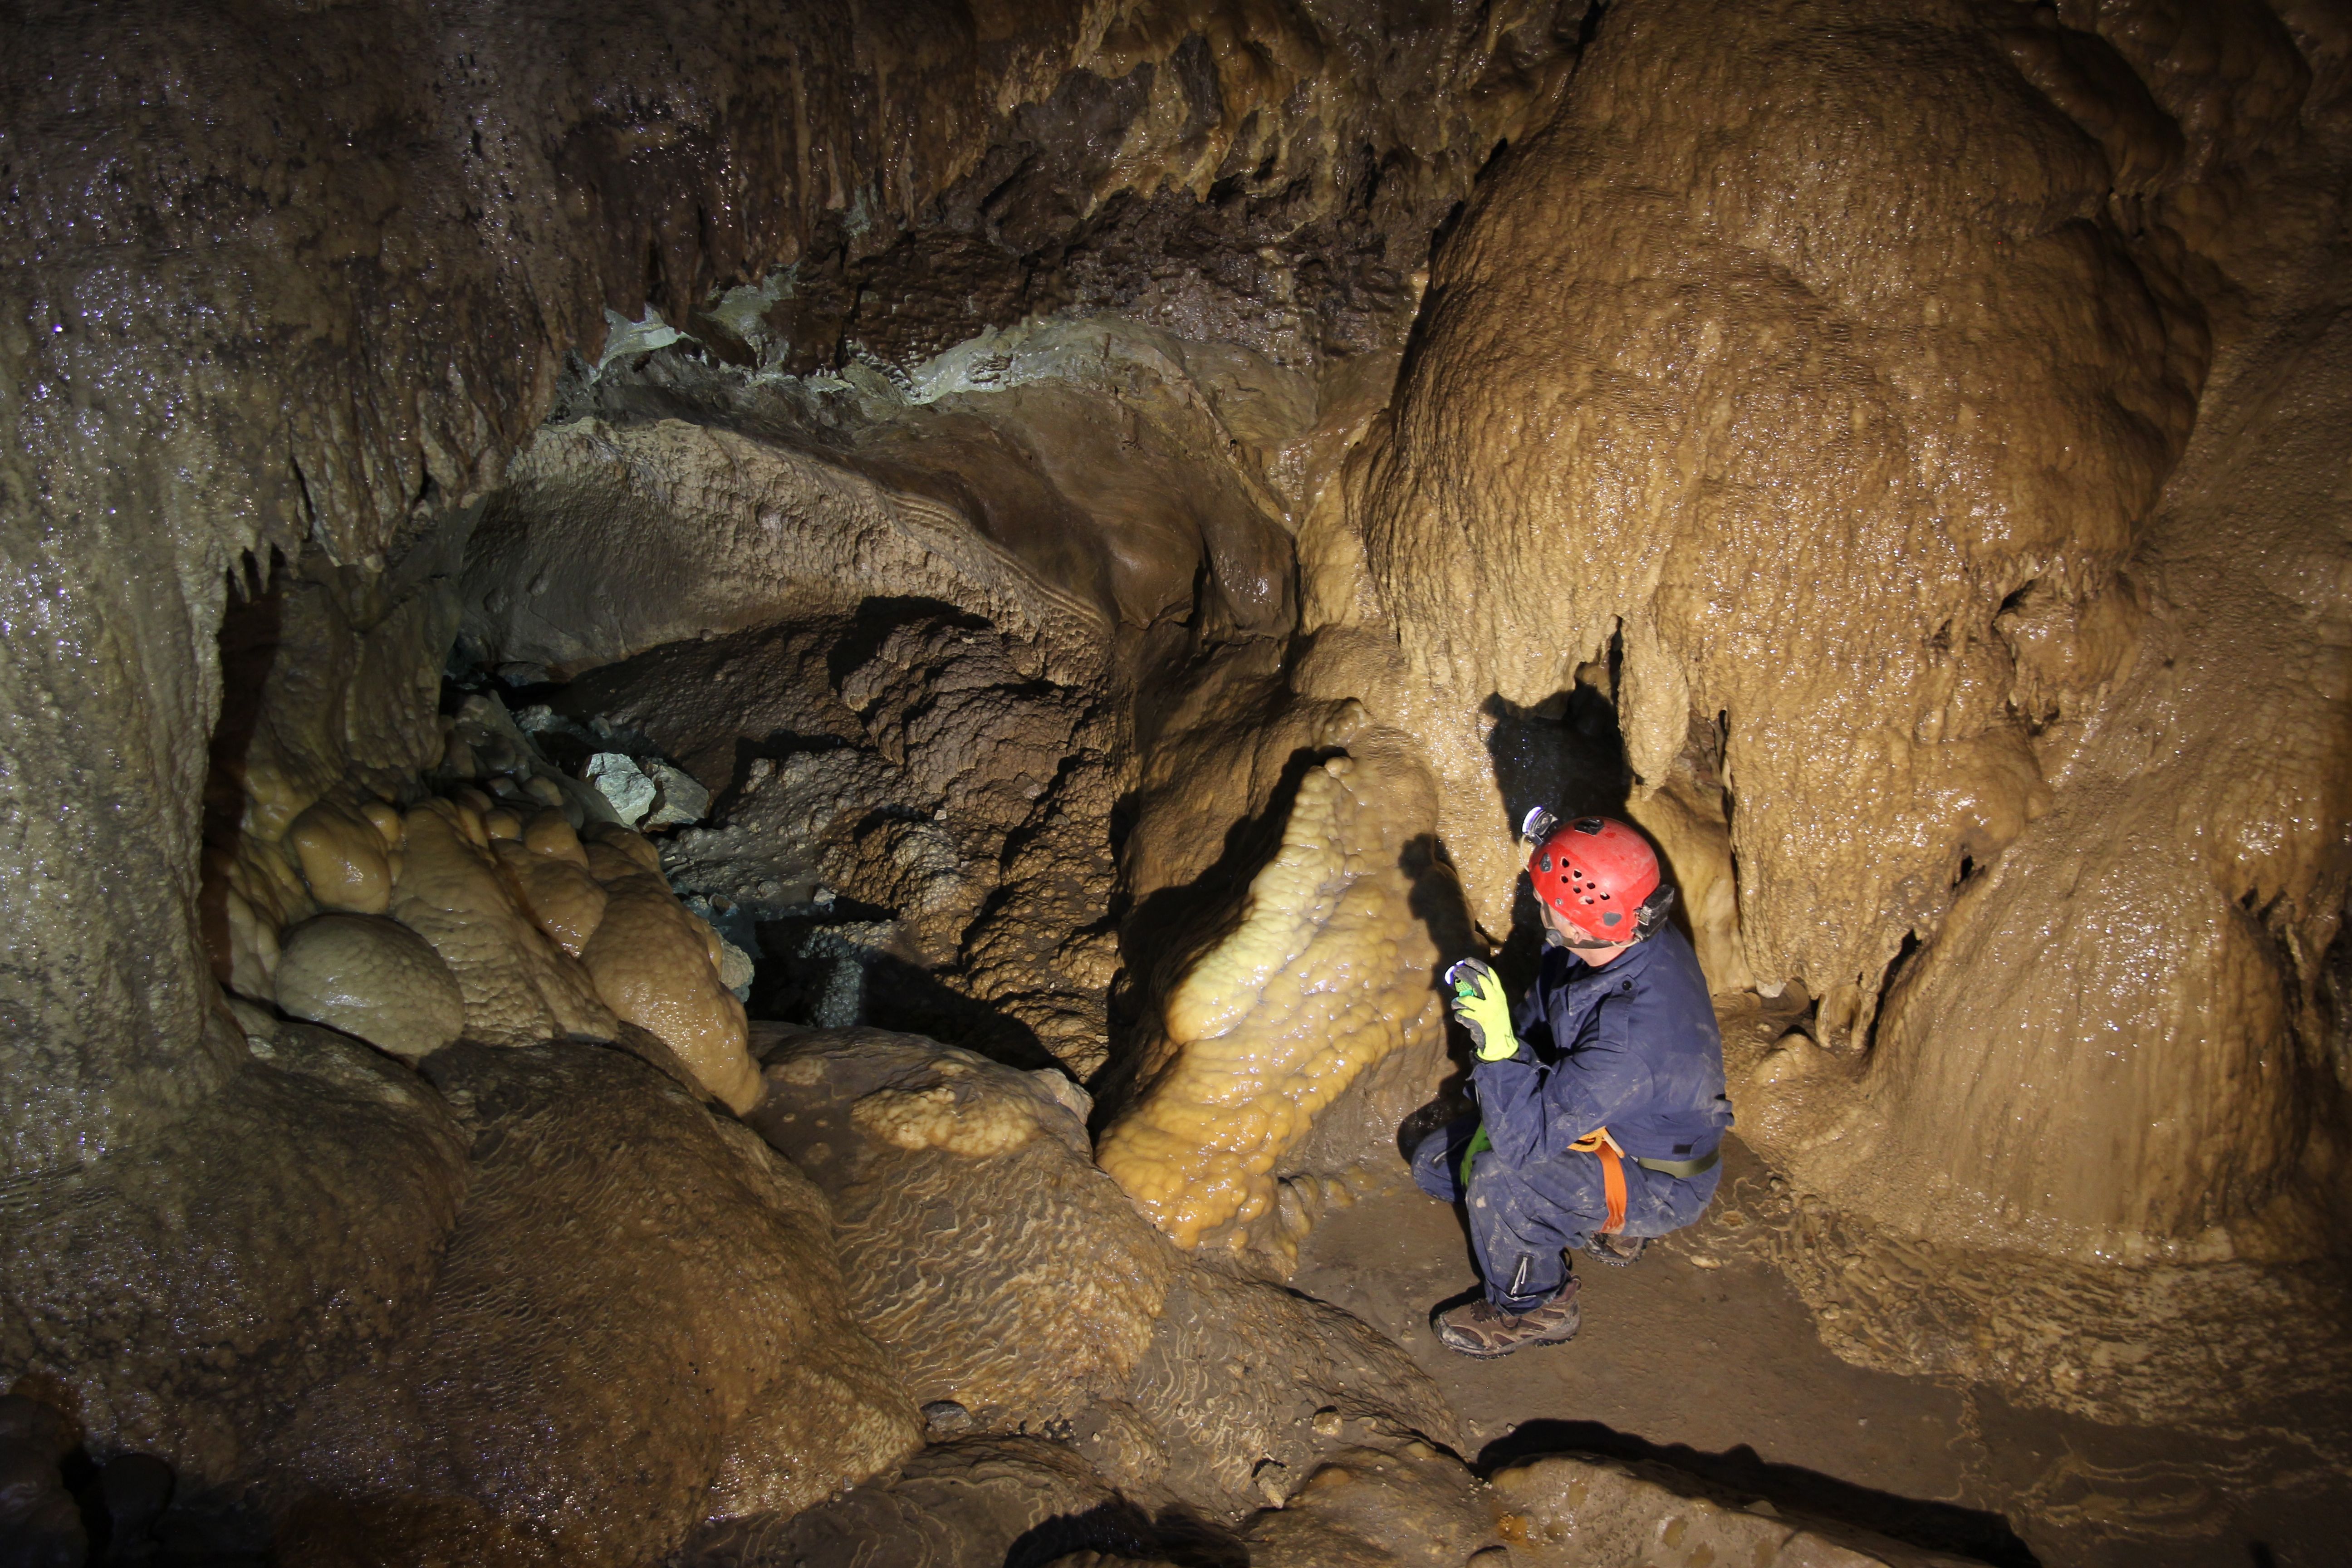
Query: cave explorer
<point x="1604" y="1128"/>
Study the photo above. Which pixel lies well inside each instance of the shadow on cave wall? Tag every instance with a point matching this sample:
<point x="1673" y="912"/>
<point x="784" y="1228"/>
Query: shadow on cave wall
<point x="1565" y="752"/>
<point x="800" y="972"/>
<point x="248" y="640"/>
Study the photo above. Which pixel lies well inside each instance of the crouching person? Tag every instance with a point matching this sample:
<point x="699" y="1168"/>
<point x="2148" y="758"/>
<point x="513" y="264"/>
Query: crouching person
<point x="1601" y="1101"/>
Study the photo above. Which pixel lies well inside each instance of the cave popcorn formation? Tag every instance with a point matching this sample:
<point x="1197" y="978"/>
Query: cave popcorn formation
<point x="1325" y="976"/>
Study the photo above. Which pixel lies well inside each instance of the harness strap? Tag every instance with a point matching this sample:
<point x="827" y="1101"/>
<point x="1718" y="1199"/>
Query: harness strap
<point x="1684" y="1169"/>
<point x="1613" y="1175"/>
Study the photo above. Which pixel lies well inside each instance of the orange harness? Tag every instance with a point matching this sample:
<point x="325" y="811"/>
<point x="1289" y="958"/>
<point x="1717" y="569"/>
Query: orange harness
<point x="1612" y="1173"/>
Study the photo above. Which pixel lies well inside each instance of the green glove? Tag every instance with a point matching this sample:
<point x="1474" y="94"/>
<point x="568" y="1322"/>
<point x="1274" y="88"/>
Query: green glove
<point x="1471" y="1151"/>
<point x="1478" y="1002"/>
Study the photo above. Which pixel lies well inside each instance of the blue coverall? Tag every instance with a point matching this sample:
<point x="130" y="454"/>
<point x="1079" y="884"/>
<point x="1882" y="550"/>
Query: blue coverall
<point x="1633" y="1046"/>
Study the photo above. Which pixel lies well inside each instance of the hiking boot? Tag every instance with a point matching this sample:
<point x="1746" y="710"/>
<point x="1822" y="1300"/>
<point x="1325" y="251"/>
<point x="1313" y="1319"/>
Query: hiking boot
<point x="1617" y="1251"/>
<point x="1481" y="1330"/>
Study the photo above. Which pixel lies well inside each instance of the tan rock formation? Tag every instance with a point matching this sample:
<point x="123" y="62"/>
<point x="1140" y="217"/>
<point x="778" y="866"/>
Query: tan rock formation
<point x="557" y="891"/>
<point x="194" y="1289"/>
<point x="520" y="987"/>
<point x="1012" y="1279"/>
<point x="713" y="531"/>
<point x="1577" y="1511"/>
<point x="2118" y="1047"/>
<point x="994" y="1312"/>
<point x="1851" y="448"/>
<point x="1381" y="1506"/>
<point x="373" y="979"/>
<point x="655" y="965"/>
<point x="983" y="1499"/>
<point x="342" y="857"/>
<point x="1324" y="994"/>
<point x="1624" y="448"/>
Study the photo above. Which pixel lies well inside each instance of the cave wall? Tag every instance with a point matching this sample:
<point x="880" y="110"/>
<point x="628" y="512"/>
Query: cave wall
<point x="1809" y="383"/>
<point x="295" y="284"/>
<point x="311" y="275"/>
<point x="1822" y="366"/>
<point x="2150" y="956"/>
<point x="325" y="266"/>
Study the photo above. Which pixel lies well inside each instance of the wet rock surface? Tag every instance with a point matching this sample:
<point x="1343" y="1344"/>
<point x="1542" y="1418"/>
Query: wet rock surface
<point x="1706" y="1358"/>
<point x="1011" y="1278"/>
<point x="193" y="1289"/>
<point x="1570" y="1509"/>
<point x="1007" y="1275"/>
<point x="1899" y="740"/>
<point x="973" y="1504"/>
<point x="566" y="1399"/>
<point x="1059" y="531"/>
<point x="1294" y="1046"/>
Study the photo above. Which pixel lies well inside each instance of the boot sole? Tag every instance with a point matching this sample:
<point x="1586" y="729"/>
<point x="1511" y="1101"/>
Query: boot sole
<point x="1480" y="1353"/>
<point x="1613" y="1259"/>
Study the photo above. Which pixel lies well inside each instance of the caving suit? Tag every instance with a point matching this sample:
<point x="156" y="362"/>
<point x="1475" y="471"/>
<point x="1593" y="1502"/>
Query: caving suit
<point x="1632" y="1047"/>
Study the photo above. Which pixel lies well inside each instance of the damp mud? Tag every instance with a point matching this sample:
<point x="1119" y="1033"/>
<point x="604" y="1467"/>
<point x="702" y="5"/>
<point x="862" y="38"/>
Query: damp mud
<point x="1704" y="1357"/>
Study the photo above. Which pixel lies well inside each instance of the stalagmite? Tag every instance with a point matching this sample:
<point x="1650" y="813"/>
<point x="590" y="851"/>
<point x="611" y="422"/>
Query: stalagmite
<point x="1326" y="984"/>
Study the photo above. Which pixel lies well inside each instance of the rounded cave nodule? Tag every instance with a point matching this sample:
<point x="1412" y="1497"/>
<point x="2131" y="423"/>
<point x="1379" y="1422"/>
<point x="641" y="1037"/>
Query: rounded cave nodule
<point x="1551" y="783"/>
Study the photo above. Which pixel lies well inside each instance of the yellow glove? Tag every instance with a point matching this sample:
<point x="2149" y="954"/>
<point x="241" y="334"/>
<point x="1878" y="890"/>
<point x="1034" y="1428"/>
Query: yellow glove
<point x="1478" y="1003"/>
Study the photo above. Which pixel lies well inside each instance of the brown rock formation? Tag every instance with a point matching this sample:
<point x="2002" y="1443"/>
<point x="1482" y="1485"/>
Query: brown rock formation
<point x="543" y="1381"/>
<point x="1014" y="1281"/>
<point x="1826" y="366"/>
<point x="1025" y="473"/>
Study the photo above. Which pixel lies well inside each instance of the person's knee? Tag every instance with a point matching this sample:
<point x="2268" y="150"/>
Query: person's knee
<point x="1669" y="1203"/>
<point x="1435" y="1159"/>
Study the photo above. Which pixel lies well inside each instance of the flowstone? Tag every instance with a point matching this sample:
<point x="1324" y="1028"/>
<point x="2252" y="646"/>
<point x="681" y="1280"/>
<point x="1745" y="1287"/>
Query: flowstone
<point x="1015" y="1282"/>
<point x="1575" y="1511"/>
<point x="1854" y="471"/>
<point x="964" y="1200"/>
<point x="538" y="1386"/>
<point x="980" y="1503"/>
<point x="1294" y="1047"/>
<point x="193" y="1289"/>
<point x="1395" y="1504"/>
<point x="374" y="980"/>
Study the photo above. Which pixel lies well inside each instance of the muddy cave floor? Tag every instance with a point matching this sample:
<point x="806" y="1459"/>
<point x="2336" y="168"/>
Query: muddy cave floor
<point x="1708" y="1360"/>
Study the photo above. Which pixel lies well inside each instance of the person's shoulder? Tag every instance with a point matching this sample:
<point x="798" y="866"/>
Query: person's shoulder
<point x="1677" y="954"/>
<point x="1667" y="965"/>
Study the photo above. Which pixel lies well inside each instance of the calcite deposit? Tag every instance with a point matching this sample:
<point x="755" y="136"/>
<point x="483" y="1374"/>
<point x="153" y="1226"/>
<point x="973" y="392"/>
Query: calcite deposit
<point x="375" y="980"/>
<point x="1018" y="1287"/>
<point x="1319" y="1010"/>
<point x="657" y="967"/>
<point x="749" y="1385"/>
<point x="1884" y="538"/>
<point x="1581" y="1511"/>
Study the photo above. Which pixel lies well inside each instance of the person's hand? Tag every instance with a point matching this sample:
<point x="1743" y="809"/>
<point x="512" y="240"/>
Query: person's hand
<point x="1478" y="1002"/>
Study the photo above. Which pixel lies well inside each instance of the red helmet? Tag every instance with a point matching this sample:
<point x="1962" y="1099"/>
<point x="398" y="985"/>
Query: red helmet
<point x="1600" y="876"/>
